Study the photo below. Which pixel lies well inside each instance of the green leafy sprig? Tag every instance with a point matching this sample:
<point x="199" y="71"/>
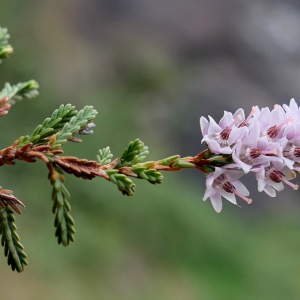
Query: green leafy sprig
<point x="131" y="158"/>
<point x="50" y="126"/>
<point x="5" y="48"/>
<point x="131" y="165"/>
<point x="104" y="156"/>
<point x="63" y="222"/>
<point x="123" y="182"/>
<point x="177" y="162"/>
<point x="77" y="122"/>
<point x="133" y="154"/>
<point x="20" y="91"/>
<point x="151" y="175"/>
<point x="13" y="249"/>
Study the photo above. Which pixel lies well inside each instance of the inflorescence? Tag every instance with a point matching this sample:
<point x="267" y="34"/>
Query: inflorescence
<point x="266" y="143"/>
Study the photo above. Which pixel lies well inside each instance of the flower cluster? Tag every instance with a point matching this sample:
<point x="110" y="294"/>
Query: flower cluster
<point x="266" y="143"/>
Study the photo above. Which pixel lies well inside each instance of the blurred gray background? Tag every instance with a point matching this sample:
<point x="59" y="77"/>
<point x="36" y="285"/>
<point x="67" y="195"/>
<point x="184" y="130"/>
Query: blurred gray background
<point x="151" y="69"/>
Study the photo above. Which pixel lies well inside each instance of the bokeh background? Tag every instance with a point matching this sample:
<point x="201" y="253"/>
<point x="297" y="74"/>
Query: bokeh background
<point x="151" y="69"/>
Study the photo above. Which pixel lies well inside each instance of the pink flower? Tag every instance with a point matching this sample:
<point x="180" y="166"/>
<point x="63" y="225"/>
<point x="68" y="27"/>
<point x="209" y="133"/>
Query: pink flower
<point x="290" y="144"/>
<point x="292" y="110"/>
<point x="267" y="142"/>
<point x="225" y="183"/>
<point x="272" y="123"/>
<point x="270" y="179"/>
<point x="219" y="137"/>
<point x="253" y="150"/>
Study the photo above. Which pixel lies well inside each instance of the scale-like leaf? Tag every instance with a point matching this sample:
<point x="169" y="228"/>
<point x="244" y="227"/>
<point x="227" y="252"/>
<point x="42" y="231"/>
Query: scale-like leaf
<point x="13" y="249"/>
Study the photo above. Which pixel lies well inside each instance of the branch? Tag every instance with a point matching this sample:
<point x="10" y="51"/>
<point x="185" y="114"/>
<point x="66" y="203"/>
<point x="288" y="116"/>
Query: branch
<point x="13" y="249"/>
<point x="7" y="199"/>
<point x="51" y="125"/>
<point x="64" y="222"/>
<point x="77" y="123"/>
<point x="86" y="169"/>
<point x="20" y="91"/>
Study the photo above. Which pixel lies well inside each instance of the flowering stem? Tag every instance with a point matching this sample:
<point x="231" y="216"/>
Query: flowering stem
<point x="30" y="152"/>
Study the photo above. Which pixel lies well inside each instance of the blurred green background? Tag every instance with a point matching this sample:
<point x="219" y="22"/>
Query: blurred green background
<point x="151" y="69"/>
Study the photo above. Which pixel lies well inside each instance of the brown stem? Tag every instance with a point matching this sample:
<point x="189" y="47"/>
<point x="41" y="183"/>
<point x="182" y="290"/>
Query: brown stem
<point x="28" y="153"/>
<point x="86" y="169"/>
<point x="199" y="161"/>
<point x="83" y="168"/>
<point x="6" y="199"/>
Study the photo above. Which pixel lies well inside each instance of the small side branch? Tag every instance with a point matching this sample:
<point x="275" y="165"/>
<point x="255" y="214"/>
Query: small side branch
<point x="13" y="249"/>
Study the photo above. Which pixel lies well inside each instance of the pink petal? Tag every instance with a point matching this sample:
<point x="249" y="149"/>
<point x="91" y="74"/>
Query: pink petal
<point x="261" y="185"/>
<point x="232" y="166"/>
<point x="277" y="115"/>
<point x="270" y="191"/>
<point x="288" y="173"/>
<point x="204" y="126"/>
<point x="265" y="117"/>
<point x="234" y="175"/>
<point x="213" y="127"/>
<point x="260" y="173"/>
<point x="289" y="163"/>
<point x="225" y="150"/>
<point x="216" y="202"/>
<point x="296" y="141"/>
<point x="240" y="112"/>
<point x="213" y="145"/>
<point x="278" y="186"/>
<point x="229" y="196"/>
<point x="208" y="193"/>
<point x="253" y="136"/>
<point x="237" y="133"/>
<point x="290" y="131"/>
<point x="209" y="180"/>
<point x="226" y="120"/>
<point x="218" y="172"/>
<point x="293" y="105"/>
<point x="241" y="188"/>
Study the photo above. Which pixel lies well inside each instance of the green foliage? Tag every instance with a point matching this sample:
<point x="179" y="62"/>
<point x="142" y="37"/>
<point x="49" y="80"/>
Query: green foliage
<point x="13" y="249"/>
<point x="5" y="48"/>
<point x="221" y="160"/>
<point x="151" y="175"/>
<point x="208" y="169"/>
<point x="20" y="91"/>
<point x="176" y="162"/>
<point x="133" y="154"/>
<point x="181" y="163"/>
<point x="63" y="222"/>
<point x="207" y="154"/>
<point x="59" y="118"/>
<point x="167" y="161"/>
<point x="104" y="156"/>
<point x="124" y="183"/>
<point x="77" y="122"/>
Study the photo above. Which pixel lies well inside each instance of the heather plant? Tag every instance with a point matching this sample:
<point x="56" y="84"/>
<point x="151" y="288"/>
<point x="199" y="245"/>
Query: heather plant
<point x="266" y="143"/>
